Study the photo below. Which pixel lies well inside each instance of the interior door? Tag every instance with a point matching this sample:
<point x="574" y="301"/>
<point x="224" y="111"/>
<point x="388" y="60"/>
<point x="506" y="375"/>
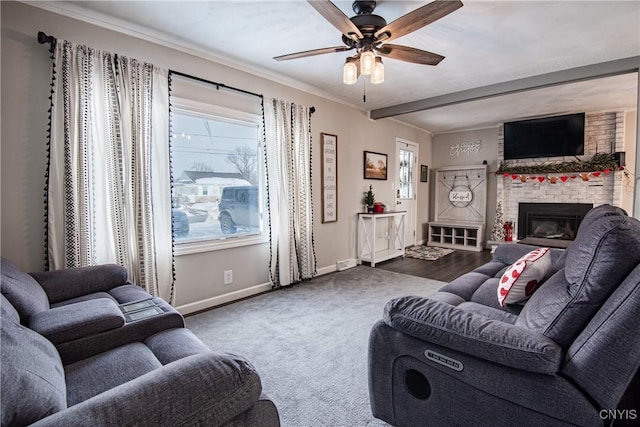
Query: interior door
<point x="406" y="182"/>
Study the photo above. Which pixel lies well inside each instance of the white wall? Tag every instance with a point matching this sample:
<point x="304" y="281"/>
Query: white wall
<point x="25" y="90"/>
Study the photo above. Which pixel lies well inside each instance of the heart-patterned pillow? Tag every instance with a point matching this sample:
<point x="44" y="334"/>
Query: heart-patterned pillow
<point x="522" y="278"/>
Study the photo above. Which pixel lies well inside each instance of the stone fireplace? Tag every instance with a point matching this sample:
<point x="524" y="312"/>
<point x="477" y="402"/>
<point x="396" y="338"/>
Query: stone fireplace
<point x="550" y="224"/>
<point x="604" y="133"/>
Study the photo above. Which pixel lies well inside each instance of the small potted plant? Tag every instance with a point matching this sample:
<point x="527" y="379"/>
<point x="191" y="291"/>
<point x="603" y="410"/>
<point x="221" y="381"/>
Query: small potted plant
<point x="369" y="199"/>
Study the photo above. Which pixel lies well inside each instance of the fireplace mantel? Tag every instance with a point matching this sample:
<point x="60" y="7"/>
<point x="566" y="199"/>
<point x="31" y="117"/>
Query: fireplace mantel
<point x="604" y="133"/>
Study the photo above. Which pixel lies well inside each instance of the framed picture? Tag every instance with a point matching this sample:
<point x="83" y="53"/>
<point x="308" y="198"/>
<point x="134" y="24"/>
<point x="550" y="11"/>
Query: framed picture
<point x="424" y="173"/>
<point x="329" y="161"/>
<point x="375" y="165"/>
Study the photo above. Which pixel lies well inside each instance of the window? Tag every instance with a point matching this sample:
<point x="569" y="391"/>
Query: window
<point x="217" y="162"/>
<point x="405" y="188"/>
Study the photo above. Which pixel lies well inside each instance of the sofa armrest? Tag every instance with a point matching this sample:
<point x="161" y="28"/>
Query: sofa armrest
<point x="204" y="389"/>
<point x="61" y="285"/>
<point x="70" y="322"/>
<point x="473" y="334"/>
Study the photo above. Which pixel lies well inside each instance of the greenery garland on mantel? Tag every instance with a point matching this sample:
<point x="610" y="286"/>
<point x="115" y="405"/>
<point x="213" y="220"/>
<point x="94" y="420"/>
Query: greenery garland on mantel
<point x="598" y="162"/>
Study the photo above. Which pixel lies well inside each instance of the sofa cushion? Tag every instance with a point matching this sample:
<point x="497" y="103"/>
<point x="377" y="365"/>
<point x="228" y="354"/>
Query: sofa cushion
<point x="596" y="263"/>
<point x="465" y="285"/>
<point x="486" y="295"/>
<point x="522" y="278"/>
<point x="22" y="291"/>
<point x="94" y="375"/>
<point x="71" y="322"/>
<point x="491" y="269"/>
<point x="84" y="298"/>
<point x="175" y="344"/>
<point x="33" y="382"/>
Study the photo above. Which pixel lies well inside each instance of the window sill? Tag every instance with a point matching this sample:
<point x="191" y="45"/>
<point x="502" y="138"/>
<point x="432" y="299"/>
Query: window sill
<point x="216" y="245"/>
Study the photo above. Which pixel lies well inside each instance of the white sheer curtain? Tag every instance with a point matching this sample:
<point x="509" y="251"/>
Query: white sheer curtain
<point x="288" y="163"/>
<point x="109" y="185"/>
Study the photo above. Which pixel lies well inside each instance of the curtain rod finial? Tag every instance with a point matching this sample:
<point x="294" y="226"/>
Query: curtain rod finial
<point x="43" y="38"/>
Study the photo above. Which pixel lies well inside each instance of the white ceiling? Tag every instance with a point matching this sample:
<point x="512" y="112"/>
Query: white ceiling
<point x="484" y="43"/>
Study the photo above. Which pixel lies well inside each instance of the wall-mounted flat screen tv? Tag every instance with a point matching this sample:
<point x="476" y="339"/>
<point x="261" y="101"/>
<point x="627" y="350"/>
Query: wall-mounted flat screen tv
<point x="545" y="137"/>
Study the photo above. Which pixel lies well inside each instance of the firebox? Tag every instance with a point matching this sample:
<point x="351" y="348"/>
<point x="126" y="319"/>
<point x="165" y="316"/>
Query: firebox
<point x="544" y="223"/>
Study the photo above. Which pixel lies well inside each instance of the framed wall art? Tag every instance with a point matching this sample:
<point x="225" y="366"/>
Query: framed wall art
<point x="424" y="173"/>
<point x="329" y="161"/>
<point x="375" y="165"/>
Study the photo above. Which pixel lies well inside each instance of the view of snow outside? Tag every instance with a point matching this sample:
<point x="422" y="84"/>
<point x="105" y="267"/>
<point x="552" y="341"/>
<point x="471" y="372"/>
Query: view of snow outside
<point x="207" y="155"/>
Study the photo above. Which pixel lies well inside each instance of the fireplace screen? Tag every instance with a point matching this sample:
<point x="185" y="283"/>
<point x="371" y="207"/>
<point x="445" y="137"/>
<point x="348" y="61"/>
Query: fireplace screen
<point x="550" y="220"/>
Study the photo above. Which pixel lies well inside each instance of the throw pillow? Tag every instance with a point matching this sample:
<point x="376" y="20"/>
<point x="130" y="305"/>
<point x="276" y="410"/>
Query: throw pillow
<point x="523" y="277"/>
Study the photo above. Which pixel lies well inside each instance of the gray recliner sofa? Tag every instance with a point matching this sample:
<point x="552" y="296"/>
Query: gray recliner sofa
<point x="116" y="371"/>
<point x="568" y="356"/>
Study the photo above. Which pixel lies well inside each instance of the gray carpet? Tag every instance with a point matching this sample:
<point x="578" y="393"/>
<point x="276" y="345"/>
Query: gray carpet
<point x="309" y="342"/>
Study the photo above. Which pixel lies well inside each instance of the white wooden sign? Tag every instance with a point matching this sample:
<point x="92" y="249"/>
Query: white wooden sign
<point x="329" y="177"/>
<point x="460" y="196"/>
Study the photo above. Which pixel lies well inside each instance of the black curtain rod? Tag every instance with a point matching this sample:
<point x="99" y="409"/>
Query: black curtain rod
<point x="222" y="85"/>
<point x="216" y="84"/>
<point x="44" y="38"/>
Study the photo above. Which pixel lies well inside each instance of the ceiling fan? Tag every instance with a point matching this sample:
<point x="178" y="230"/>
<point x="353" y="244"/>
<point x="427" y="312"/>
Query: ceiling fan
<point x="369" y="35"/>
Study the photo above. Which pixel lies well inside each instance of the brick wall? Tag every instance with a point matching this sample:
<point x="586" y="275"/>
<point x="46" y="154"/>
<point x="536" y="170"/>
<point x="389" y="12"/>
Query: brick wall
<point x="604" y="133"/>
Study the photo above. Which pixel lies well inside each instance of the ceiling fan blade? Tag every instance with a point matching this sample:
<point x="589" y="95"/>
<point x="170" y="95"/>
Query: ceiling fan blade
<point x="312" y="52"/>
<point x="331" y="13"/>
<point x="409" y="54"/>
<point x="417" y="19"/>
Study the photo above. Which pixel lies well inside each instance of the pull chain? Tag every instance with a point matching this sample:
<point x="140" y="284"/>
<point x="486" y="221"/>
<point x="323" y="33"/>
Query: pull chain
<point x="364" y="91"/>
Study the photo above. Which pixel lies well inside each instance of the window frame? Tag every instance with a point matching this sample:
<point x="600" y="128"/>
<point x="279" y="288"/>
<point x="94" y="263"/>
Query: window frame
<point x="212" y="111"/>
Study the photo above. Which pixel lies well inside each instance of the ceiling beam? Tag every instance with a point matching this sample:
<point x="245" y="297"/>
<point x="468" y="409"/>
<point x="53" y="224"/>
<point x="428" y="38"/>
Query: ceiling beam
<point x="588" y="72"/>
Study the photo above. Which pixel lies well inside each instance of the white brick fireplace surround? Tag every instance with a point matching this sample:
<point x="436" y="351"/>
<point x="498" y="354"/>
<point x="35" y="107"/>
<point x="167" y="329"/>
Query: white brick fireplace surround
<point x="604" y="133"/>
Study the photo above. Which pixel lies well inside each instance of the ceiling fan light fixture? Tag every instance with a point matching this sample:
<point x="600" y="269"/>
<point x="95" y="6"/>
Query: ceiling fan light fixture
<point x="367" y="62"/>
<point x="377" y="76"/>
<point x="350" y="72"/>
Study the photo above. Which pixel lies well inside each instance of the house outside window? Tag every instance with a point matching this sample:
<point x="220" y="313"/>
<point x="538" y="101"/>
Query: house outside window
<point x="218" y="189"/>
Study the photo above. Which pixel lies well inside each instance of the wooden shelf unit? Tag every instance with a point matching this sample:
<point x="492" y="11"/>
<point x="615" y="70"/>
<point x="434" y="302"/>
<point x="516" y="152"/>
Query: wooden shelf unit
<point x="456" y="235"/>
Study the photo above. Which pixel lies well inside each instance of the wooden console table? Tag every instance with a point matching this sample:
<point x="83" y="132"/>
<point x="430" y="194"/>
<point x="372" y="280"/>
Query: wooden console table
<point x="367" y="228"/>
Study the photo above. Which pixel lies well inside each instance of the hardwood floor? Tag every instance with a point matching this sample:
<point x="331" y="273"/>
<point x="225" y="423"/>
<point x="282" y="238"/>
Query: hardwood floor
<point x="445" y="269"/>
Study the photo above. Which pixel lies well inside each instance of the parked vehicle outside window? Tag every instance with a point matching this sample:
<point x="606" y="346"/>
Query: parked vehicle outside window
<point x="217" y="179"/>
<point x="239" y="210"/>
<point x="180" y="223"/>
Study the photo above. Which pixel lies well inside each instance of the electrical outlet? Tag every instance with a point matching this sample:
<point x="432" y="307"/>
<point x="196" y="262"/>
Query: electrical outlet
<point x="228" y="277"/>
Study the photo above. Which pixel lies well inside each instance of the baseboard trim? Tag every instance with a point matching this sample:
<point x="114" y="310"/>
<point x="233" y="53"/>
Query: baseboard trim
<point x="208" y="303"/>
<point x="326" y="270"/>
<point x="223" y="299"/>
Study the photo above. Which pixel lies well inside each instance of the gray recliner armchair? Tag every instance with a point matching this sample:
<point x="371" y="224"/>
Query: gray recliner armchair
<point x="570" y="356"/>
<point x="77" y="350"/>
<point x="77" y="309"/>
